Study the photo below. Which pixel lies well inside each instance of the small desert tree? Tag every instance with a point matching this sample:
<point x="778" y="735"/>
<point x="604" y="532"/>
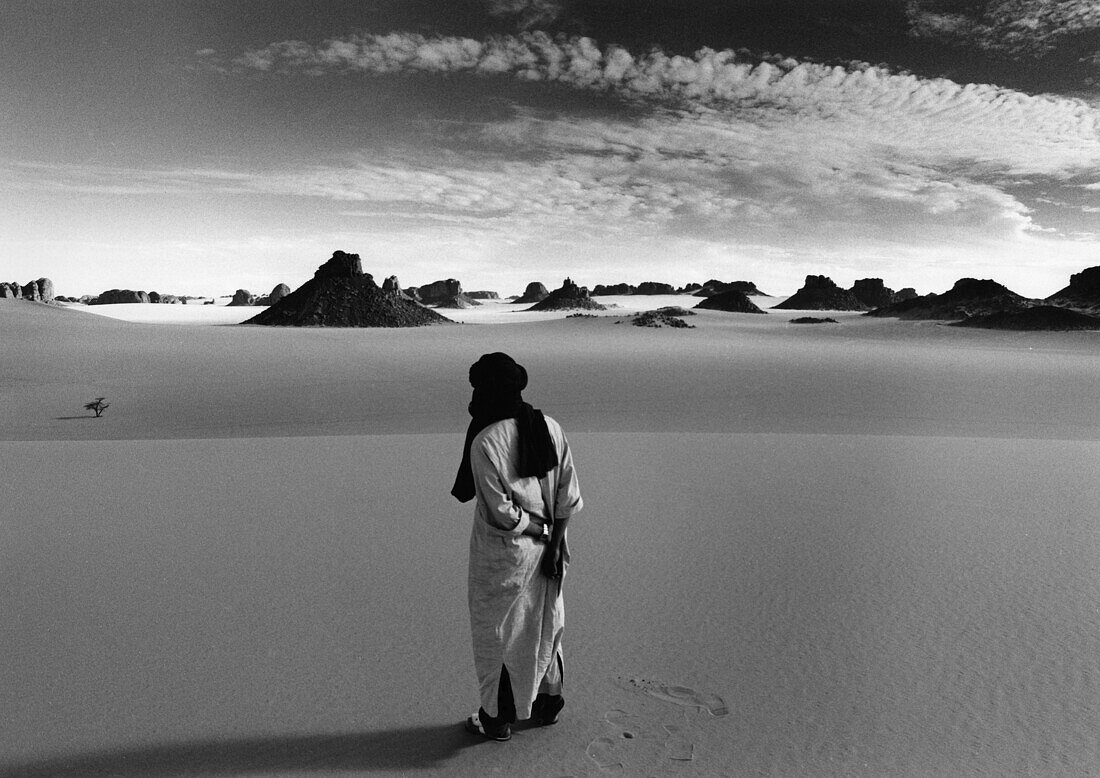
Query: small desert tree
<point x="97" y="406"/>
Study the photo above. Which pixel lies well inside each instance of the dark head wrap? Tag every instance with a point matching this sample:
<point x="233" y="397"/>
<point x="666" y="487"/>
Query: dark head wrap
<point x="498" y="382"/>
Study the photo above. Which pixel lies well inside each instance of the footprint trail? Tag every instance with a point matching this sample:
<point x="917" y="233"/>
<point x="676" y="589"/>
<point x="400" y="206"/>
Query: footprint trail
<point x="678" y="695"/>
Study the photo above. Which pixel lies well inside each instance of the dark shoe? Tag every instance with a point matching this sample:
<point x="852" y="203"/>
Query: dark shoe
<point x="546" y="708"/>
<point x="475" y="727"/>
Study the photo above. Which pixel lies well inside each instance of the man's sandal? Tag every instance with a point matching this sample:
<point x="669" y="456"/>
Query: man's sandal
<point x="546" y="709"/>
<point x="475" y="727"/>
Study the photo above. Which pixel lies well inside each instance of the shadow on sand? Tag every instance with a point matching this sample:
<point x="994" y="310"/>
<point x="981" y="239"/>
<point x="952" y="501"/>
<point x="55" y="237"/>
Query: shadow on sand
<point x="399" y="750"/>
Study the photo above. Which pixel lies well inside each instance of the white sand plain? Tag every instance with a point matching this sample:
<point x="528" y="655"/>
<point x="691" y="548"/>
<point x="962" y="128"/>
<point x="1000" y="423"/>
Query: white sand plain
<point x="874" y="541"/>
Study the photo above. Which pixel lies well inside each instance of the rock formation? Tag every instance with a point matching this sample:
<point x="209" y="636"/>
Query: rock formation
<point x="1083" y="292"/>
<point x="116" y="296"/>
<point x="669" y="316"/>
<point x="241" y="298"/>
<point x="873" y="293"/>
<point x="442" y="294"/>
<point x="731" y="300"/>
<point x="713" y="287"/>
<point x="391" y="285"/>
<point x="483" y="295"/>
<point x="278" y="293"/>
<point x="969" y="297"/>
<point x="655" y="287"/>
<point x="41" y="290"/>
<point x="1040" y="317"/>
<point x="567" y="298"/>
<point x="820" y="293"/>
<point x="438" y="290"/>
<point x="340" y="294"/>
<point x="617" y="289"/>
<point x="534" y="293"/>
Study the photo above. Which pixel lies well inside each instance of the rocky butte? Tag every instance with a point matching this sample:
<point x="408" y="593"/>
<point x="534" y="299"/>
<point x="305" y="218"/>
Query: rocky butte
<point x="820" y="293"/>
<point x="567" y="298"/>
<point x="40" y="290"/>
<point x="714" y="286"/>
<point x="1083" y="292"/>
<point x="442" y="294"/>
<point x="534" y="293"/>
<point x="968" y="297"/>
<point x="731" y="300"/>
<point x="340" y="294"/>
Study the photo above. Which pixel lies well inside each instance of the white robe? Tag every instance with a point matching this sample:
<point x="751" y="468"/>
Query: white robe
<point x="517" y="614"/>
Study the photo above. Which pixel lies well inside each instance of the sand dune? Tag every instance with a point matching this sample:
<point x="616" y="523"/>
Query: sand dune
<point x="867" y="549"/>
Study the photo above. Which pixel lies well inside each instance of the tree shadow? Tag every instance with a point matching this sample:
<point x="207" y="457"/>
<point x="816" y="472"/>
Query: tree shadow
<point x="73" y="418"/>
<point x="405" y="749"/>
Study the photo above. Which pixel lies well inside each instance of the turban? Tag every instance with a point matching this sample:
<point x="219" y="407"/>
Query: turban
<point x="498" y="381"/>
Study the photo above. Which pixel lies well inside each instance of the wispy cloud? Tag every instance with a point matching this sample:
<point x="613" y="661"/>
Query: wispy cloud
<point x="527" y="13"/>
<point x="722" y="141"/>
<point x="974" y="122"/>
<point x="1022" y="27"/>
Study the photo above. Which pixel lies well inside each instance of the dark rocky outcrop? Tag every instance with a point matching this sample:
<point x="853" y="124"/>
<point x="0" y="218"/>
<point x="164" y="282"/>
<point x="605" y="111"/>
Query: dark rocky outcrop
<point x="567" y="298"/>
<point x="813" y="320"/>
<point x="663" y="317"/>
<point x="713" y="287"/>
<point x="908" y="293"/>
<point x="241" y="298"/>
<point x="41" y="290"/>
<point x="820" y="293"/>
<point x="969" y="297"/>
<point x="483" y="295"/>
<point x="436" y="291"/>
<point x="391" y="285"/>
<point x="613" y="289"/>
<point x="278" y="293"/>
<point x="340" y="294"/>
<point x="873" y="293"/>
<point x="1083" y="292"/>
<point x="534" y="293"/>
<point x="655" y="287"/>
<point x="116" y="296"/>
<point x="442" y="294"/>
<point x="731" y="300"/>
<point x="1038" y="318"/>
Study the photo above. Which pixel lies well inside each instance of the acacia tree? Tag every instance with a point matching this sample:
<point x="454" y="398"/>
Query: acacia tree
<point x="97" y="406"/>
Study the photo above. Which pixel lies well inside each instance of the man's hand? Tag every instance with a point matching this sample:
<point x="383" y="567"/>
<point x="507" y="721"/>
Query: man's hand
<point x="553" y="563"/>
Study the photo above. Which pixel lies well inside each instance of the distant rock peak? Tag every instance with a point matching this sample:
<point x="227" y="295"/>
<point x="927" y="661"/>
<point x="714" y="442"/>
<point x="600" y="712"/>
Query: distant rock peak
<point x="342" y="265"/>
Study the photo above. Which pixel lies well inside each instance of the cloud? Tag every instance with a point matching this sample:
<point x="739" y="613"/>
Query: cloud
<point x="528" y="13"/>
<point x="1019" y="27"/>
<point x="1001" y="128"/>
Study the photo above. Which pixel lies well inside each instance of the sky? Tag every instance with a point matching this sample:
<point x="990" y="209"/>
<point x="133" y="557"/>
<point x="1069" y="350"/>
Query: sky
<point x="196" y="147"/>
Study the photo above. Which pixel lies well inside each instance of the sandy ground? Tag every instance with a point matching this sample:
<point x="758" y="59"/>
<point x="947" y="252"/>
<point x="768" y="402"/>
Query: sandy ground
<point x="857" y="549"/>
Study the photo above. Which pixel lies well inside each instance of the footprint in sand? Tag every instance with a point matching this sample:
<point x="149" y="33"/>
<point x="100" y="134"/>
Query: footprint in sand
<point x="680" y="695"/>
<point x="674" y="739"/>
<point x="677" y="747"/>
<point x="602" y="752"/>
<point x="630" y="725"/>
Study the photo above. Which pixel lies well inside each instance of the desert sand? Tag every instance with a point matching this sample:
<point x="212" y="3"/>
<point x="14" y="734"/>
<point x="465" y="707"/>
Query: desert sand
<point x="866" y="548"/>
